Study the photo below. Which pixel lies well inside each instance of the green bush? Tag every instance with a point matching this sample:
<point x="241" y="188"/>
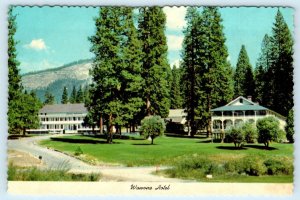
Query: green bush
<point x="250" y="132"/>
<point x="78" y="151"/>
<point x="268" y="130"/>
<point x="279" y="166"/>
<point x="235" y="135"/>
<point x="35" y="174"/>
<point x="197" y="167"/>
<point x="254" y="166"/>
<point x="152" y="126"/>
<point x="289" y="128"/>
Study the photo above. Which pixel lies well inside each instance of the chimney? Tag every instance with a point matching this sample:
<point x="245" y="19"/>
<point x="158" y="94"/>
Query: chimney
<point x="249" y="98"/>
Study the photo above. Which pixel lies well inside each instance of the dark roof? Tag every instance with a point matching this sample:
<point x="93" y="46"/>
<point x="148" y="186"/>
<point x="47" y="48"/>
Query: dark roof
<point x="240" y="107"/>
<point x="64" y="108"/>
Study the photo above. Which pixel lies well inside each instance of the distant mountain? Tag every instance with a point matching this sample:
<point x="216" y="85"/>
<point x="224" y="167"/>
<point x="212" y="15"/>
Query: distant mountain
<point x="69" y="75"/>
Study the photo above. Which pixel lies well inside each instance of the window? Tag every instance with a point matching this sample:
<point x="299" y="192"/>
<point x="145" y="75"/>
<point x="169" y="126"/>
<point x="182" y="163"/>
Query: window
<point x="241" y="100"/>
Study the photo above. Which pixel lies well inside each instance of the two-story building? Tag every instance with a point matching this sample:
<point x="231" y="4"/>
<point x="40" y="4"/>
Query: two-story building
<point x="241" y="110"/>
<point x="62" y="118"/>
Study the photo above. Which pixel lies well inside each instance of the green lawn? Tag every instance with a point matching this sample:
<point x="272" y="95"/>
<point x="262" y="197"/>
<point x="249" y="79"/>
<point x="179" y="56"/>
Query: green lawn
<point x="164" y="151"/>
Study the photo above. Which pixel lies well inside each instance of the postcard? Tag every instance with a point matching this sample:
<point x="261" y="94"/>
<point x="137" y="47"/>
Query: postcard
<point x="150" y="100"/>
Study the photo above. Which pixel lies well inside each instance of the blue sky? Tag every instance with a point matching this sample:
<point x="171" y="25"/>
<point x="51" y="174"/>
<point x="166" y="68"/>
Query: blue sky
<point x="52" y="36"/>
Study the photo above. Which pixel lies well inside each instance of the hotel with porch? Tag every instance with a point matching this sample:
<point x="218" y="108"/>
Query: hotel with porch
<point x="241" y="110"/>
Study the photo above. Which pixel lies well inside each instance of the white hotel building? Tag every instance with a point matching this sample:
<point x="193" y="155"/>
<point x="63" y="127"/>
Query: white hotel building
<point x="241" y="110"/>
<point x="62" y="118"/>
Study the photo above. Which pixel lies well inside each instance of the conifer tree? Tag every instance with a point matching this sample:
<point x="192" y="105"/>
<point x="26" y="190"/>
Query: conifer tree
<point x="208" y="75"/>
<point x="64" y="97"/>
<point x="79" y="95"/>
<point x="73" y="95"/>
<point x="49" y="98"/>
<point x="116" y="69"/>
<point x="281" y="68"/>
<point x="175" y="92"/>
<point x="243" y="76"/>
<point x="191" y="70"/>
<point x="14" y="79"/>
<point x="155" y="67"/>
<point x="262" y="76"/>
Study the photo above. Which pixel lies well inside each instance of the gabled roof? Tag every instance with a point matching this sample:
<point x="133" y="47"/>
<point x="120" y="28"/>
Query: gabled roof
<point x="235" y="105"/>
<point x="64" y="108"/>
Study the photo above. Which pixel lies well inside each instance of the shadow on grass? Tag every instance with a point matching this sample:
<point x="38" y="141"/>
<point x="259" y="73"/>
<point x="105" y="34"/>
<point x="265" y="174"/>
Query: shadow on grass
<point x="81" y="141"/>
<point x="231" y="148"/>
<point x="261" y="147"/>
<point x="146" y="144"/>
<point x="183" y="136"/>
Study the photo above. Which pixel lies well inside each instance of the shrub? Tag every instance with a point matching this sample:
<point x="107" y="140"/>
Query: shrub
<point x="78" y="151"/>
<point x="254" y="166"/>
<point x="152" y="126"/>
<point x="279" y="166"/>
<point x="289" y="128"/>
<point x="250" y="132"/>
<point x="268" y="129"/>
<point x="235" y="135"/>
<point x="35" y="174"/>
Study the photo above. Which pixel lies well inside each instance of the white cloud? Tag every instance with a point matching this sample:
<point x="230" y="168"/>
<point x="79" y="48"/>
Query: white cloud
<point x="174" y="42"/>
<point x="175" y="17"/>
<point x="36" y="44"/>
<point x="176" y="63"/>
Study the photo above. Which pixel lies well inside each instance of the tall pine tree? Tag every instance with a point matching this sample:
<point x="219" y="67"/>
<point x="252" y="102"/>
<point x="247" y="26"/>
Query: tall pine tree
<point x="73" y="95"/>
<point x="262" y="76"/>
<point x="282" y="66"/>
<point x="14" y="79"/>
<point x="22" y="107"/>
<point x="79" y="95"/>
<point x="191" y="68"/>
<point x="243" y="76"/>
<point x="49" y="98"/>
<point x="116" y="69"/>
<point x="175" y="92"/>
<point x="155" y="68"/>
<point x="205" y="61"/>
<point x="64" y="97"/>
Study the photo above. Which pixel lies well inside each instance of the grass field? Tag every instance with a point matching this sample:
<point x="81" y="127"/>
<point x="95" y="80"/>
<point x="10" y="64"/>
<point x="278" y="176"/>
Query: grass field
<point x="181" y="153"/>
<point x="139" y="152"/>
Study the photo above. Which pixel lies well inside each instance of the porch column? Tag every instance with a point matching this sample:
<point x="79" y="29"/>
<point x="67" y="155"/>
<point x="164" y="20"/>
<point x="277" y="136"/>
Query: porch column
<point x="222" y="122"/>
<point x="244" y="112"/>
<point x="255" y="117"/>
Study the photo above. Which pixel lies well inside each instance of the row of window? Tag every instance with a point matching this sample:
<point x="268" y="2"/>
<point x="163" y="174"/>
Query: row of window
<point x="240" y="113"/>
<point x="46" y="119"/>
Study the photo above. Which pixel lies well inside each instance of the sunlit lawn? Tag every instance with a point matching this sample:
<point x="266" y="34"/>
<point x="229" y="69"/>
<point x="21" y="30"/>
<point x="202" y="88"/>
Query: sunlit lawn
<point x="165" y="149"/>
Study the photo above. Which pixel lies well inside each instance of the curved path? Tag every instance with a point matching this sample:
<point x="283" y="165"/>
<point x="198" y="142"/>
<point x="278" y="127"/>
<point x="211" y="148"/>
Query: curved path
<point x="54" y="159"/>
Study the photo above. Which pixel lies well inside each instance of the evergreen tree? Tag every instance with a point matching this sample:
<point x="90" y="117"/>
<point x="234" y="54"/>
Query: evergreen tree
<point x="64" y="98"/>
<point x="49" y="98"/>
<point x="73" y="95"/>
<point x="207" y="73"/>
<point x="175" y="93"/>
<point x="79" y="95"/>
<point x="281" y="67"/>
<point x="289" y="128"/>
<point x="243" y="76"/>
<point x="155" y="69"/>
<point x="116" y="69"/>
<point x="263" y="78"/>
<point x="217" y="82"/>
<point x="191" y="67"/>
<point x="14" y="79"/>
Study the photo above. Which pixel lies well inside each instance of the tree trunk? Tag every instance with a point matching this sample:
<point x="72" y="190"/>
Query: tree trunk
<point x="110" y="133"/>
<point x="152" y="138"/>
<point x="101" y="124"/>
<point x="148" y="106"/>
